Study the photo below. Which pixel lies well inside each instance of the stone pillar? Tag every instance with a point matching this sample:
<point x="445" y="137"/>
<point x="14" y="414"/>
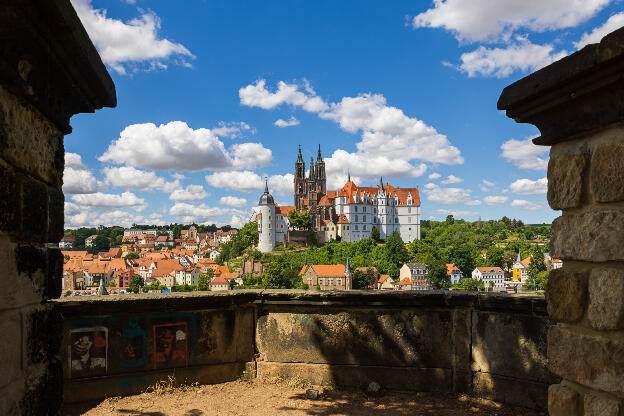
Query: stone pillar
<point x="578" y="105"/>
<point x="49" y="70"/>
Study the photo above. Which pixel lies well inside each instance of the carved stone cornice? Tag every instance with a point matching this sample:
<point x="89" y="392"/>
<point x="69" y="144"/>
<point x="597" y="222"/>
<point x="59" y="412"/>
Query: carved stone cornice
<point x="577" y="94"/>
<point x="47" y="59"/>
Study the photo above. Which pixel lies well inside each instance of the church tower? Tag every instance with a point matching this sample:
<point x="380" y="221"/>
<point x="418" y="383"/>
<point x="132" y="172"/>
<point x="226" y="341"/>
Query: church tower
<point x="321" y="180"/>
<point x="300" y="182"/>
<point x="266" y="221"/>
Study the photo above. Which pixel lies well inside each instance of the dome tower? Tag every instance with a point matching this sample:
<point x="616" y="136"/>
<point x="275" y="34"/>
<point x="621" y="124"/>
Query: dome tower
<point x="266" y="221"/>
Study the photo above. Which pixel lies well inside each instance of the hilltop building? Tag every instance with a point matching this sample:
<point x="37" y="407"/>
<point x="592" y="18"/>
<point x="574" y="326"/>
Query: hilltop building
<point x="349" y="214"/>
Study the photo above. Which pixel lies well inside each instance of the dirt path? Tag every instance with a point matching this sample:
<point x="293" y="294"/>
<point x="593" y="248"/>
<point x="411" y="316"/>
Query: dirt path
<point x="263" y="399"/>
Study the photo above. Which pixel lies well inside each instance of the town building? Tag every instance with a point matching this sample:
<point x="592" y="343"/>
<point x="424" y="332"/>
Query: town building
<point x="67" y="242"/>
<point x="417" y="274"/>
<point x="219" y="283"/>
<point x="495" y="275"/>
<point x="89" y="240"/>
<point x="327" y="277"/>
<point x="520" y="269"/>
<point x="386" y="282"/>
<point x="454" y="274"/>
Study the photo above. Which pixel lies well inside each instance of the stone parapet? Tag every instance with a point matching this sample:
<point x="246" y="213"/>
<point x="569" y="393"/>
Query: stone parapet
<point x="578" y="105"/>
<point x="490" y="345"/>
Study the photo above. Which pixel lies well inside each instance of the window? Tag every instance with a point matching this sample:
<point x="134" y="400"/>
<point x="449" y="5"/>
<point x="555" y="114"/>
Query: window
<point x="356" y="208"/>
<point x="338" y="281"/>
<point x="363" y="218"/>
<point x="409" y="210"/>
<point x="330" y="281"/>
<point x="356" y="218"/>
<point x="320" y="281"/>
<point x="356" y="227"/>
<point x="409" y="219"/>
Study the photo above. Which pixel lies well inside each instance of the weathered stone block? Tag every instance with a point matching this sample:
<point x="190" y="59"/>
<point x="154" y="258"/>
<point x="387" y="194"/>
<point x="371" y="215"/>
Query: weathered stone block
<point x="54" y="273"/>
<point x="357" y="337"/>
<point x="31" y="141"/>
<point x="34" y="210"/>
<point x="602" y="405"/>
<point x="498" y="336"/>
<point x="31" y="262"/>
<point x="44" y="390"/>
<point x="509" y="390"/>
<point x="563" y="401"/>
<point x="566" y="293"/>
<point x="592" y="359"/>
<point x="56" y="214"/>
<point x="9" y="203"/>
<point x="591" y="236"/>
<point x="43" y="334"/>
<point x="10" y="351"/>
<point x="607" y="173"/>
<point x="21" y="291"/>
<point x="565" y="181"/>
<point x="606" y="299"/>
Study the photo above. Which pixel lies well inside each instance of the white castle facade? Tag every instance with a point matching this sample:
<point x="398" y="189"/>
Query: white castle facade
<point x="349" y="214"/>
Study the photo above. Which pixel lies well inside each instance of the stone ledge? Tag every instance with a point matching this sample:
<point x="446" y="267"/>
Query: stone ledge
<point x="274" y="297"/>
<point x="576" y="94"/>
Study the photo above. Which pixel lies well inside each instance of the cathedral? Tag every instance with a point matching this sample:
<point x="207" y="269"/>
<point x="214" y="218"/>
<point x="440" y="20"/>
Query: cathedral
<point x="348" y="214"/>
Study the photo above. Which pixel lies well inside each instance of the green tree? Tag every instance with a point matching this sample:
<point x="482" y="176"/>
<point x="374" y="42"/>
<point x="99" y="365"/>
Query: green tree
<point x="299" y="220"/>
<point x="471" y="284"/>
<point x="131" y="256"/>
<point x="437" y="274"/>
<point x="450" y="220"/>
<point x="375" y="235"/>
<point x="100" y="243"/>
<point x="203" y="283"/>
<point x="362" y="280"/>
<point x="135" y="282"/>
<point x="461" y="256"/>
<point x="494" y="257"/>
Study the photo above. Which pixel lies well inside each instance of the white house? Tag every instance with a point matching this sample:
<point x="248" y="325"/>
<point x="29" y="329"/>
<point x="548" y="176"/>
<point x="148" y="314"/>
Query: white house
<point x="490" y="274"/>
<point x="454" y="273"/>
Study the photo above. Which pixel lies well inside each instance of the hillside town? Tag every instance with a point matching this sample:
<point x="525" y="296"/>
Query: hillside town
<point x="379" y="229"/>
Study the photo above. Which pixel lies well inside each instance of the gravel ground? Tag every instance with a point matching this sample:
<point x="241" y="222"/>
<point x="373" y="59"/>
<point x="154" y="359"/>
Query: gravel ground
<point x="263" y="399"/>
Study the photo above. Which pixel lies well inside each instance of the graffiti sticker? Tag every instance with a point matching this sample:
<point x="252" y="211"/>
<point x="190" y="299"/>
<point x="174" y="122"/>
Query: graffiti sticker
<point x="171" y="345"/>
<point x="134" y="344"/>
<point x="88" y="352"/>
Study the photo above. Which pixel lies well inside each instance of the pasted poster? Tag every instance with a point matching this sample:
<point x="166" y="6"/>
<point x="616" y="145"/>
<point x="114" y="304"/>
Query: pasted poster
<point x="134" y="344"/>
<point x="171" y="345"/>
<point x="88" y="352"/>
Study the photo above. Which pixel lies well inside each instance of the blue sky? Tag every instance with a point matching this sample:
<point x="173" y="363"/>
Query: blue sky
<point x="214" y="96"/>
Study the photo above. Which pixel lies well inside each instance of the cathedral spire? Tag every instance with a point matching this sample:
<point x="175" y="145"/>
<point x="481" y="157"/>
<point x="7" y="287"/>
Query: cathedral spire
<point x="312" y="173"/>
<point x="319" y="158"/>
<point x="300" y="158"/>
<point x="381" y="182"/>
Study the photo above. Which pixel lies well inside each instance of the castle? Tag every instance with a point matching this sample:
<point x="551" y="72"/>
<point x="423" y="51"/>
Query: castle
<point x="349" y="214"/>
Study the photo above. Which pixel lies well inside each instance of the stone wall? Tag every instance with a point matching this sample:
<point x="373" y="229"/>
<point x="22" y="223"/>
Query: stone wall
<point x="489" y="345"/>
<point x="39" y="91"/>
<point x="578" y="105"/>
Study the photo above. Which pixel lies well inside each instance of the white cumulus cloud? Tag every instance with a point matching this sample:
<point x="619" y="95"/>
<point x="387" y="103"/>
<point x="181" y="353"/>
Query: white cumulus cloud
<point x="232" y="130"/>
<point x="435" y="175"/>
<point x="292" y="121"/>
<point x="282" y="184"/>
<point x="494" y="199"/>
<point x="134" y="44"/>
<point x="614" y="22"/>
<point x="232" y="201"/>
<point x="101" y="200"/>
<point x="450" y="195"/>
<point x="77" y="178"/>
<point x="524" y="154"/>
<point x="176" y="146"/>
<point x="244" y="181"/>
<point x="529" y="187"/>
<point x="390" y="140"/>
<point x="132" y="178"/>
<point x="487" y="20"/>
<point x="451" y="179"/>
<point x="502" y="62"/>
<point x="524" y="204"/>
<point x="191" y="193"/>
<point x="455" y="213"/>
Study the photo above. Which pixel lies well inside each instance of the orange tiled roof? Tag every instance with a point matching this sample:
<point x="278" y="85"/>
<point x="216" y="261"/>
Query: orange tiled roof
<point x="324" y="201"/>
<point x="218" y="280"/>
<point x="405" y="281"/>
<point x="328" y="270"/>
<point x="342" y="219"/>
<point x="283" y="210"/>
<point x="450" y="268"/>
<point x="384" y="277"/>
<point x="490" y="269"/>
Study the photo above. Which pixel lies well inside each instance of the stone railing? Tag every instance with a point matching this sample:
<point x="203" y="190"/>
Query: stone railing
<point x="492" y="346"/>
